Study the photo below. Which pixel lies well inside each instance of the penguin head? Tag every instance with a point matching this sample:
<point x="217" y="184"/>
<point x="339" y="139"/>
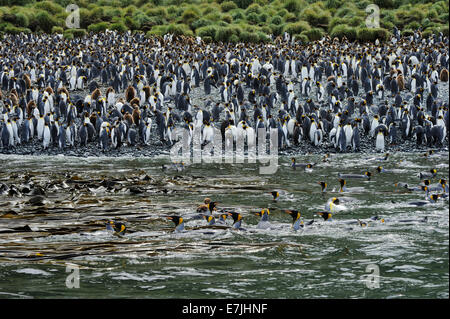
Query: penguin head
<point x="209" y="218"/>
<point x="362" y="224"/>
<point x="236" y="216"/>
<point x="368" y="174"/>
<point x="435" y="197"/>
<point x="335" y="200"/>
<point x="426" y="182"/>
<point x="275" y="195"/>
<point x="212" y="206"/>
<point x="263" y="212"/>
<point x="176" y="219"/>
<point x="324" y="215"/>
<point x="119" y="228"/>
<point x="323" y="185"/>
<point x="295" y="214"/>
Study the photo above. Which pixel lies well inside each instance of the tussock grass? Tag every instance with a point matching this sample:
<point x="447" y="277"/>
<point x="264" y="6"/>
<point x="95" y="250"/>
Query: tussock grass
<point x="229" y="20"/>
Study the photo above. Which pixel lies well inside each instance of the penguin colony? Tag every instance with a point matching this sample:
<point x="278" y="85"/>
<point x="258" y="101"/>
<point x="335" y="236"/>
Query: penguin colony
<point x="231" y="218"/>
<point x="116" y="90"/>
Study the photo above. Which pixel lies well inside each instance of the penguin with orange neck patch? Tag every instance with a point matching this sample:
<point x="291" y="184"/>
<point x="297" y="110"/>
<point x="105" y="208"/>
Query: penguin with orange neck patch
<point x="264" y="221"/>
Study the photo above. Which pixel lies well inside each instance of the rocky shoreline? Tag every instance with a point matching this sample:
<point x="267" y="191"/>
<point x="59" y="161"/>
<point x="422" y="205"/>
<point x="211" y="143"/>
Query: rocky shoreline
<point x="157" y="148"/>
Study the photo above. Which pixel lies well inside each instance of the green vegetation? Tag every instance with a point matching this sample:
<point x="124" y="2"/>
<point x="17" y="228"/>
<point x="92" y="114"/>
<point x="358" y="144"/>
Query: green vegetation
<point x="228" y="20"/>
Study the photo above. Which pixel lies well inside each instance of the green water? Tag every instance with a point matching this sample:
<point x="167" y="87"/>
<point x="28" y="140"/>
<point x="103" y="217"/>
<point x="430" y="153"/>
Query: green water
<point x="327" y="259"/>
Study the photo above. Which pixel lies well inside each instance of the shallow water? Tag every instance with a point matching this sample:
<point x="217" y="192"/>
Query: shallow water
<point x="327" y="259"/>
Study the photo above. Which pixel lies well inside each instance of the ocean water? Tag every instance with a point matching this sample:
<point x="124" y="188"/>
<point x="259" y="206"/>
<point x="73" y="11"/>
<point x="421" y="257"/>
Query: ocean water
<point x="62" y="242"/>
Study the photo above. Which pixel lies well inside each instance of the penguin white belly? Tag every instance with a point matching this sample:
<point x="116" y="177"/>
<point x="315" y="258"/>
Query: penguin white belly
<point x="373" y="125"/>
<point x="46" y="137"/>
<point x="312" y="131"/>
<point x="80" y="83"/>
<point x="379" y="146"/>
<point x="11" y="134"/>
<point x="208" y="134"/>
<point x="290" y="126"/>
<point x="348" y="134"/>
<point x="332" y="136"/>
<point x="72" y="82"/>
<point x="250" y="137"/>
<point x="40" y="128"/>
<point x="318" y="136"/>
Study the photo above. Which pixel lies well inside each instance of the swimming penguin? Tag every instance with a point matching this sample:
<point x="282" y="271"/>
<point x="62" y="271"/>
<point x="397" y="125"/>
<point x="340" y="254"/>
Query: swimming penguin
<point x="333" y="205"/>
<point x="441" y="186"/>
<point x="366" y="175"/>
<point x="325" y="215"/>
<point x="342" y="183"/>
<point x="210" y="219"/>
<point x="179" y="223"/>
<point x="432" y="199"/>
<point x="381" y="169"/>
<point x="444" y="185"/>
<point x="323" y="186"/>
<point x="119" y="229"/>
<point x="237" y="220"/>
<point x="297" y="223"/>
<point x="305" y="166"/>
<point x="275" y="195"/>
<point x="222" y="218"/>
<point x="430" y="174"/>
<point x="264" y="221"/>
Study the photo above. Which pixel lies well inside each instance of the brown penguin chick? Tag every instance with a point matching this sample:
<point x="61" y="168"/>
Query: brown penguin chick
<point x="444" y="75"/>
<point x="127" y="117"/>
<point x="136" y="115"/>
<point x="93" y="118"/>
<point x="49" y="90"/>
<point x="130" y="93"/>
<point x="400" y="82"/>
<point x="108" y="90"/>
<point x="63" y="90"/>
<point x="331" y="78"/>
<point x="135" y="102"/>
<point x="14" y="99"/>
<point x="14" y="91"/>
<point x="96" y="94"/>
<point x="27" y="80"/>
<point x="30" y="107"/>
<point x="147" y="91"/>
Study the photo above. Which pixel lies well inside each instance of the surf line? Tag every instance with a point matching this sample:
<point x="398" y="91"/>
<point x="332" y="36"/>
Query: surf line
<point x="212" y="151"/>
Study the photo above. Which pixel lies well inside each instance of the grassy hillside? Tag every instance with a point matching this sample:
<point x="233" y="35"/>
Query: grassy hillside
<point x="229" y="20"/>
